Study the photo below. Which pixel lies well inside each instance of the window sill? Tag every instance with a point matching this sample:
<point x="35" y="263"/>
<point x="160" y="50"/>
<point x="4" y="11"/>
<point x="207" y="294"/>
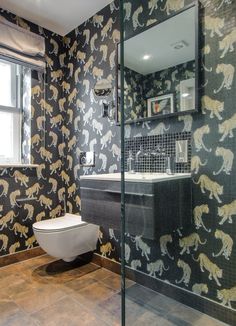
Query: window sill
<point x="9" y="165"/>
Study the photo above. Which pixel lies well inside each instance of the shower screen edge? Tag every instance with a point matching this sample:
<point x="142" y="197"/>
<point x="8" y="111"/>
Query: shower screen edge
<point x="122" y="132"/>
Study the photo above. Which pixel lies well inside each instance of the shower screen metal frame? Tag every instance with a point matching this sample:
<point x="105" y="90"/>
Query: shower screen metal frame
<point x="122" y="132"/>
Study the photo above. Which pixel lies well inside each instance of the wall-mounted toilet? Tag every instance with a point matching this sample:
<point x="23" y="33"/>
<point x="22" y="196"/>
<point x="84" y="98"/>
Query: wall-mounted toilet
<point x="66" y="237"/>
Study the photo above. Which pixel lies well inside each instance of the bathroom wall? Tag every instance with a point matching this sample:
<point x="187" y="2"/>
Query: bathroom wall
<point x="213" y="144"/>
<point x="92" y="54"/>
<point x="16" y="221"/>
<point x="134" y="97"/>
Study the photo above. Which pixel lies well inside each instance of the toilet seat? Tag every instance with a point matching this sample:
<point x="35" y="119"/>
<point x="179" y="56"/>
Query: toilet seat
<point x="59" y="224"/>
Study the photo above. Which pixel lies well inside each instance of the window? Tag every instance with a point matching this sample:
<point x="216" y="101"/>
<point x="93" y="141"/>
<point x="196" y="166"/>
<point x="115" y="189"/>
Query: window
<point x="10" y="112"/>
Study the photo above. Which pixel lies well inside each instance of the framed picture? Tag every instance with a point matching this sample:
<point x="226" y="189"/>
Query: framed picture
<point x="163" y="104"/>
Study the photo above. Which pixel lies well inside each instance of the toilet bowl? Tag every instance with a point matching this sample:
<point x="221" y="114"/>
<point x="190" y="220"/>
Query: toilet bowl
<point x="66" y="237"/>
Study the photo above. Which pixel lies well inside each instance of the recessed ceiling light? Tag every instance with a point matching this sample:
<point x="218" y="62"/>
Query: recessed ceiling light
<point x="146" y="57"/>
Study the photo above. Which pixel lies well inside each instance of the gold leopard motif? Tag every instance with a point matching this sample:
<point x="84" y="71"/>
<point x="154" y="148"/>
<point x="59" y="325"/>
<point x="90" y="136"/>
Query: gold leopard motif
<point x="200" y="288"/>
<point x="22" y="229"/>
<point x="213" y="187"/>
<point x="14" y="247"/>
<point x="193" y="240"/>
<point x="227" y="244"/>
<point x="226" y="296"/>
<point x="106" y="249"/>
<point x="226" y="212"/>
<point x="29" y="243"/>
<point x="214" y="271"/>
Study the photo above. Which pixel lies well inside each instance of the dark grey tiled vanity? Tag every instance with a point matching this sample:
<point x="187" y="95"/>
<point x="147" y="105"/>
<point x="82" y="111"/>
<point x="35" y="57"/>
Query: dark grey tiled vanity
<point x="154" y="202"/>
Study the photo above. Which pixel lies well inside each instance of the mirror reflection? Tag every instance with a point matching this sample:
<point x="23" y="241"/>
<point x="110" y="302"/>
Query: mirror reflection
<point x="159" y="69"/>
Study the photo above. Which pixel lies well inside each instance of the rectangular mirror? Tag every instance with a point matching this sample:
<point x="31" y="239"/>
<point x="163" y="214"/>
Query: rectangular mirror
<point x="161" y="69"/>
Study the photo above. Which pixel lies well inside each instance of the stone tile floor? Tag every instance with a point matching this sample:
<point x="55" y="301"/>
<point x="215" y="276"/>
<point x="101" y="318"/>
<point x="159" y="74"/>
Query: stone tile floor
<point x="42" y="291"/>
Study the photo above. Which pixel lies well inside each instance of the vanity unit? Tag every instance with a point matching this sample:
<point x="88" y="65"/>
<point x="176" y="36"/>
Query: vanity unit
<point x="155" y="202"/>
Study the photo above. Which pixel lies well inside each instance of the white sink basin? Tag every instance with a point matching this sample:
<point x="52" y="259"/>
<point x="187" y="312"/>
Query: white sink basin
<point x="137" y="177"/>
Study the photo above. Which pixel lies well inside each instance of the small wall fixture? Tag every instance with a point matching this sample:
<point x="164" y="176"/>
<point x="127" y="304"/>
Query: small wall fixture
<point x="103" y="91"/>
<point x="179" y="45"/>
<point x="103" y="88"/>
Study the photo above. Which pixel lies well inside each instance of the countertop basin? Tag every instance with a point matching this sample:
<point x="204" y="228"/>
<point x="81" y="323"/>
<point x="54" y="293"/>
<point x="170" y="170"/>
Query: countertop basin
<point x="137" y="177"/>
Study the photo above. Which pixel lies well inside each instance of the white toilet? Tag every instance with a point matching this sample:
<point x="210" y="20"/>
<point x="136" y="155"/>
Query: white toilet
<point x="66" y="237"/>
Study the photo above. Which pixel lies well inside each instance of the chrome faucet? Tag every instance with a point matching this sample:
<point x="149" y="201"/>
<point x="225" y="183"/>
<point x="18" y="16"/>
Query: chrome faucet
<point x="130" y="163"/>
<point x="169" y="160"/>
<point x="158" y="151"/>
<point x="169" y="165"/>
<point x="139" y="154"/>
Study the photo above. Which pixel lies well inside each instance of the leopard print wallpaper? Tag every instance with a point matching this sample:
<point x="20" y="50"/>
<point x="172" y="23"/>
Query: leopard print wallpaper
<point x="200" y="259"/>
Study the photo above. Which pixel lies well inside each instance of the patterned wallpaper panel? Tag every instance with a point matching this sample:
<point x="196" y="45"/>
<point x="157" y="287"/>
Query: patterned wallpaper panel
<point x="135" y="106"/>
<point x="46" y="182"/>
<point x="91" y="57"/>
<point x="201" y="259"/>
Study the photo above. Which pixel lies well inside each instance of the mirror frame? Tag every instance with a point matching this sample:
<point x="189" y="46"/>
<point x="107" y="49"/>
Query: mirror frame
<point x="195" y="5"/>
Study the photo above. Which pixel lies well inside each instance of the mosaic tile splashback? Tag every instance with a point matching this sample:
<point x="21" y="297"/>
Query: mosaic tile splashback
<point x="154" y="152"/>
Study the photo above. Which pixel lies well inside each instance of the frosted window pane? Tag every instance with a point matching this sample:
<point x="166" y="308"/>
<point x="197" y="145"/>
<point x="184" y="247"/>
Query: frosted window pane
<point x="7" y="84"/>
<point x="6" y="136"/>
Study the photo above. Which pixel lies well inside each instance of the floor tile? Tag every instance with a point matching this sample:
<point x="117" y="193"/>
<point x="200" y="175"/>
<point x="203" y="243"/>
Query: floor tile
<point x="114" y="282"/>
<point x="101" y="274"/>
<point x="7" y="309"/>
<point x="44" y="291"/>
<point x="208" y="321"/>
<point x="38" y="298"/>
<point x="93" y="294"/>
<point x="150" y="299"/>
<point x="79" y="283"/>
<point x="110" y="309"/>
<point x="135" y="311"/>
<point x="18" y="288"/>
<point x="50" y="273"/>
<point x="19" y="319"/>
<point x="150" y="318"/>
<point x="37" y="261"/>
<point x="11" y="278"/>
<point x="86" y="269"/>
<point x="67" y="312"/>
<point x="182" y="312"/>
<point x="59" y="272"/>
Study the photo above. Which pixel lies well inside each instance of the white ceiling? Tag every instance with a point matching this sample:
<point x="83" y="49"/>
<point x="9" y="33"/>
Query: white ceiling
<point x="157" y="42"/>
<point x="59" y="16"/>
